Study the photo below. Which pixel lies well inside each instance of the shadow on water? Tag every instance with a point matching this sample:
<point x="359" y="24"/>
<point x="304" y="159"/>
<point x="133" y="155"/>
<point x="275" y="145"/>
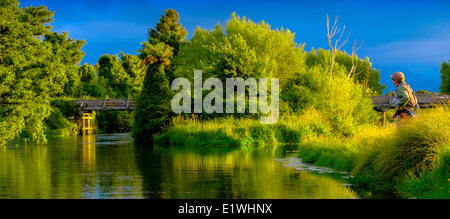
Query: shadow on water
<point x="113" y="166"/>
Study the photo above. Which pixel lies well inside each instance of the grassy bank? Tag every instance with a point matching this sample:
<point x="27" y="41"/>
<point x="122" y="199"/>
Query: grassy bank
<point x="244" y="132"/>
<point x="412" y="160"/>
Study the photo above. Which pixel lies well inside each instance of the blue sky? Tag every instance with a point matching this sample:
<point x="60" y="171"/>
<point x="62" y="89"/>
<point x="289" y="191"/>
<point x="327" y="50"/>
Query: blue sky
<point x="408" y="36"/>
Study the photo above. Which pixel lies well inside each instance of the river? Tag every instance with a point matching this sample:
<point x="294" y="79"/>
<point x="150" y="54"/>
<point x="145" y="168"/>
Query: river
<point x="112" y="166"/>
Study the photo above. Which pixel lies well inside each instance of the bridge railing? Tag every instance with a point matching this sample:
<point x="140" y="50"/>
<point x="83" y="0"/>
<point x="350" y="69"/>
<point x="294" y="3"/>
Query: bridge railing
<point x="424" y="100"/>
<point x="105" y="104"/>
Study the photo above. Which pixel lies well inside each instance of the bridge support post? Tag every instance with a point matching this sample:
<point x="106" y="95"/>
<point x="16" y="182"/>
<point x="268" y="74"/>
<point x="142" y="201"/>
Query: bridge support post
<point x="87" y="123"/>
<point x="383" y="118"/>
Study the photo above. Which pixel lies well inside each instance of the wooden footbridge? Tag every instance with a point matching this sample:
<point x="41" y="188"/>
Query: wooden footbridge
<point x="88" y="107"/>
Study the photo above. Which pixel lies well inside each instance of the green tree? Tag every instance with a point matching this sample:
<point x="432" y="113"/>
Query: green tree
<point x="67" y="51"/>
<point x="33" y="68"/>
<point x="153" y="105"/>
<point x="168" y="31"/>
<point x="86" y="73"/>
<point x="248" y="49"/>
<point x="243" y="49"/>
<point x="445" y="77"/>
<point x="364" y="73"/>
<point x="124" y="77"/>
<point x="118" y="81"/>
<point x="90" y="84"/>
<point x="131" y="64"/>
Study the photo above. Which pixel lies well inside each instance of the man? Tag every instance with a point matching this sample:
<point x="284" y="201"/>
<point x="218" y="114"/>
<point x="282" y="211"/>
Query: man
<point x="405" y="99"/>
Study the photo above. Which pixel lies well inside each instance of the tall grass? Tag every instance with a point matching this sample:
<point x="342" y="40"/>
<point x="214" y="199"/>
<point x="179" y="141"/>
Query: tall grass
<point x="344" y="153"/>
<point x="412" y="160"/>
<point x="415" y="158"/>
<point x="244" y="132"/>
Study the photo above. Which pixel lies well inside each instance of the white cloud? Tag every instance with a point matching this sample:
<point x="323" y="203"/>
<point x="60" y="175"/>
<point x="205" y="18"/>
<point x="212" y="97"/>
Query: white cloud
<point x="432" y="50"/>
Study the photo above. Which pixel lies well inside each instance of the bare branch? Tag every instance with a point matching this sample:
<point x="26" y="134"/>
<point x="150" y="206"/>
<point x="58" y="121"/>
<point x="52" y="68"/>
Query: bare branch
<point x="331" y="33"/>
<point x="353" y="72"/>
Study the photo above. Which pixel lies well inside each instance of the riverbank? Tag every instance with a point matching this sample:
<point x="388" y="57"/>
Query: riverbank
<point x="244" y="132"/>
<point x="412" y="161"/>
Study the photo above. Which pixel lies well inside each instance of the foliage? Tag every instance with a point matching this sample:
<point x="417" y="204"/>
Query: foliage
<point x="414" y="157"/>
<point x="66" y="106"/>
<point x="90" y="84"/>
<point x="111" y="69"/>
<point x="57" y="120"/>
<point x="131" y="64"/>
<point x="445" y="77"/>
<point x="87" y="73"/>
<point x="68" y="52"/>
<point x="364" y="73"/>
<point x="337" y="96"/>
<point x="425" y="92"/>
<point x="247" y="49"/>
<point x="35" y="65"/>
<point x="168" y="31"/>
<point x="123" y="77"/>
<point x="153" y="105"/>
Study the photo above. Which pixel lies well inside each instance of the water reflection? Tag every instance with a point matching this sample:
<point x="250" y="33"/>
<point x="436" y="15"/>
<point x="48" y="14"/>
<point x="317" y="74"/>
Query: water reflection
<point x="89" y="150"/>
<point x="111" y="166"/>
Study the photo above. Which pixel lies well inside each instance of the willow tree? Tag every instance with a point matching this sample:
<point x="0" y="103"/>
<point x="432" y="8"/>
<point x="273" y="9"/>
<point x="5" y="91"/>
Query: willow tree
<point x="153" y="105"/>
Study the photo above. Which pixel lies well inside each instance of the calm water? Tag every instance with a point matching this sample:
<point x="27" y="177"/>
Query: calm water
<point x="111" y="166"/>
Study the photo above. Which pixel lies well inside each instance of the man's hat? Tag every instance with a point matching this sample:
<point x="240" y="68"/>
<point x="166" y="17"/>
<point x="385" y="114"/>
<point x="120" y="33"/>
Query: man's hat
<point x="398" y="76"/>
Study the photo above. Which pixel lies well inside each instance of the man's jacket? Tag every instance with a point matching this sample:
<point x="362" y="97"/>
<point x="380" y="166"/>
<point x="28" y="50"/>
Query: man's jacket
<point x="405" y="95"/>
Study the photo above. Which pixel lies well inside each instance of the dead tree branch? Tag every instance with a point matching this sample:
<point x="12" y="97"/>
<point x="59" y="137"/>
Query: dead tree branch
<point x="334" y="43"/>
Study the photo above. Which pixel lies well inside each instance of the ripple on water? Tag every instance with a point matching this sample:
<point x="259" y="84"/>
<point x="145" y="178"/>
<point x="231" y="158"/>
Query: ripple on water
<point x="297" y="164"/>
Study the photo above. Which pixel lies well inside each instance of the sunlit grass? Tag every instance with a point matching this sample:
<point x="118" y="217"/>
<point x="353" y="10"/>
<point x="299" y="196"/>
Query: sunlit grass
<point x="412" y="160"/>
<point x="414" y="157"/>
<point x="247" y="133"/>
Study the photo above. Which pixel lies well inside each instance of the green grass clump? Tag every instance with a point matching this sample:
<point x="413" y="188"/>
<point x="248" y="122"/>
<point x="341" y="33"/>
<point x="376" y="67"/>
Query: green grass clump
<point x="412" y="160"/>
<point x="415" y="157"/>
